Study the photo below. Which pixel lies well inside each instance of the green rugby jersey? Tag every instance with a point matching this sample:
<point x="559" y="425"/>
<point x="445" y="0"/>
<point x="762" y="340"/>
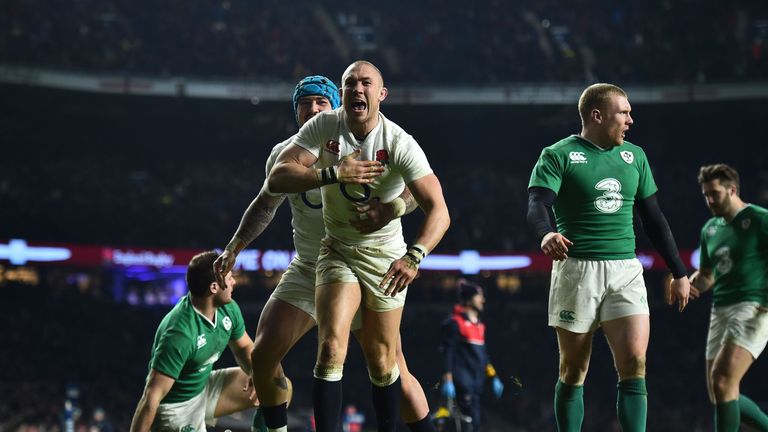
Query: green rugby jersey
<point x="187" y="344"/>
<point x="737" y="252"/>
<point x="596" y="190"/>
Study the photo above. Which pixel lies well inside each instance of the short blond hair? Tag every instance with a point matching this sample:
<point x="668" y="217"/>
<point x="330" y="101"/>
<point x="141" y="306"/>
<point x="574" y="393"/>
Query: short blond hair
<point x="597" y="96"/>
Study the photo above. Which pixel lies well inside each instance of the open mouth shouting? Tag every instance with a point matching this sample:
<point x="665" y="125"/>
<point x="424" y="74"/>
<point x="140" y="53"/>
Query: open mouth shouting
<point x="359" y="106"/>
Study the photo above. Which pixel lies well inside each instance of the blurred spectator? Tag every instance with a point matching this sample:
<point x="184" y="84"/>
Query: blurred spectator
<point x="100" y="422"/>
<point x="452" y="41"/>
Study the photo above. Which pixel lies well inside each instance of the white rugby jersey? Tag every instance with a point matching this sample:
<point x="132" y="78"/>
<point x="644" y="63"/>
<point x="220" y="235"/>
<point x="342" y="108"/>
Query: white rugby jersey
<point x="306" y="208"/>
<point x="328" y="137"/>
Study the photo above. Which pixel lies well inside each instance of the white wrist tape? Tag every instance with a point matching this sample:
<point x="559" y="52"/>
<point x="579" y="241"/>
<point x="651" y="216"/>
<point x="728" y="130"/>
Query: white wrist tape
<point x="398" y="207"/>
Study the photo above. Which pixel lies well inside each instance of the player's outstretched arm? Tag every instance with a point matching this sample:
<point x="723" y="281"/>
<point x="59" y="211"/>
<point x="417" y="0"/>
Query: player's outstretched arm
<point x="158" y="385"/>
<point x="657" y="229"/>
<point x="255" y="220"/>
<point x="429" y="195"/>
<point x="375" y="215"/>
<point x="292" y="172"/>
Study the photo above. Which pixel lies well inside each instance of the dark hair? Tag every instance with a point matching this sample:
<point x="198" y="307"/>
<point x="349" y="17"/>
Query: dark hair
<point x="200" y="273"/>
<point x="596" y="96"/>
<point x="465" y="290"/>
<point x="726" y="174"/>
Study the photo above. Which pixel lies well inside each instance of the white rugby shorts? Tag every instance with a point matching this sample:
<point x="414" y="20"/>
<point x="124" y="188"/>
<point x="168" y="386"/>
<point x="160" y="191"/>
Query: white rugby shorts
<point x="297" y="288"/>
<point x="744" y="324"/>
<point x="364" y="265"/>
<point x="191" y="415"/>
<point x="584" y="293"/>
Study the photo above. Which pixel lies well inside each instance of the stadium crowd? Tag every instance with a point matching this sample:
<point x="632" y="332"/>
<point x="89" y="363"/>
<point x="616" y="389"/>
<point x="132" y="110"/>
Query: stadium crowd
<point x="157" y="172"/>
<point x="433" y="42"/>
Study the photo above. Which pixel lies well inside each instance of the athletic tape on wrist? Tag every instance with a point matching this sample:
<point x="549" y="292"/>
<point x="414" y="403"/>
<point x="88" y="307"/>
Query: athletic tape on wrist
<point x="327" y="175"/>
<point x="420" y="250"/>
<point x="398" y="207"/>
<point x="413" y="261"/>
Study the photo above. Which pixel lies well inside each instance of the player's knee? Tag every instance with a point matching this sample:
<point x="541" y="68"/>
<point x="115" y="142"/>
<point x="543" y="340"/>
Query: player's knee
<point x="330" y="351"/>
<point x="573" y="371"/>
<point x="631" y="367"/>
<point x="722" y="382"/>
<point x="380" y="358"/>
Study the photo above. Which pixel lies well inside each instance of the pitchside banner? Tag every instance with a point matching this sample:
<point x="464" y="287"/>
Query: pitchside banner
<point x="20" y="252"/>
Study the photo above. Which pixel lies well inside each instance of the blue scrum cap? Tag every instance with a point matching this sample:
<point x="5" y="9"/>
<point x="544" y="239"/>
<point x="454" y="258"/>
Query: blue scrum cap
<point x="316" y="85"/>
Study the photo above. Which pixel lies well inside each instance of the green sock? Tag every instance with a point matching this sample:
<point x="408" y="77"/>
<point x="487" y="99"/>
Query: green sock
<point x="727" y="416"/>
<point x="569" y="406"/>
<point x="632" y="404"/>
<point x="258" y="424"/>
<point x="752" y="415"/>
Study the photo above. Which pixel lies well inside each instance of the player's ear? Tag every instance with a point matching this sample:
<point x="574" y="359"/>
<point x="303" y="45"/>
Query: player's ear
<point x="213" y="287"/>
<point x="596" y="116"/>
<point x="383" y="93"/>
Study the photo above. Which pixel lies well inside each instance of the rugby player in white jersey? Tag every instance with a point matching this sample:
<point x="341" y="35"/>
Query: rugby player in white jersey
<point x="370" y="270"/>
<point x="290" y="312"/>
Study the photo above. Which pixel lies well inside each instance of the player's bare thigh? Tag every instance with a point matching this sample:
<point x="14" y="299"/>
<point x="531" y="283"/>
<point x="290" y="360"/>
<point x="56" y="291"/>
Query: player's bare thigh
<point x="280" y="326"/>
<point x="575" y="352"/>
<point x="379" y="337"/>
<point x="628" y="338"/>
<point x="728" y="368"/>
<point x="336" y="305"/>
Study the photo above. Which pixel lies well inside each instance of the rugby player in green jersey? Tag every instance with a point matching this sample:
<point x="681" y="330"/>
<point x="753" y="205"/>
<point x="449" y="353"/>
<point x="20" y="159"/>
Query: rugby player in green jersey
<point x="182" y="391"/>
<point x="593" y="181"/>
<point x="734" y="265"/>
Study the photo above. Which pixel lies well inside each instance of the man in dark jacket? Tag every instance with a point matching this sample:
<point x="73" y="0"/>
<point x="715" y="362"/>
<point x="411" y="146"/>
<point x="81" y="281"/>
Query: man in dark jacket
<point x="466" y="363"/>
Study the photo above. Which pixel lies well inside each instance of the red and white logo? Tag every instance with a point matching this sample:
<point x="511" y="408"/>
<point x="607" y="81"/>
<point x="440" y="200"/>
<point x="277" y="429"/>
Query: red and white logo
<point x="382" y="156"/>
<point x="332" y="146"/>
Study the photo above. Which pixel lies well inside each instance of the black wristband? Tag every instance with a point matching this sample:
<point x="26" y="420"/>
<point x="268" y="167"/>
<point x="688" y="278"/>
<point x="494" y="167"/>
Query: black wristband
<point x="328" y="175"/>
<point x="419" y="249"/>
<point x="412" y="256"/>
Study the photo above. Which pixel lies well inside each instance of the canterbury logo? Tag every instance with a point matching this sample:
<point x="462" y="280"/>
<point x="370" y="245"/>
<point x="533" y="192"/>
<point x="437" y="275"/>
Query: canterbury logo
<point x="577" y="157"/>
<point x="567" y="316"/>
<point x="201" y="341"/>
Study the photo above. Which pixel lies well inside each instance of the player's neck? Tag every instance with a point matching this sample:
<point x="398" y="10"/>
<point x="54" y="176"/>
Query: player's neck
<point x="737" y="205"/>
<point x="205" y="306"/>
<point x="361" y="130"/>
<point x="595" y="139"/>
